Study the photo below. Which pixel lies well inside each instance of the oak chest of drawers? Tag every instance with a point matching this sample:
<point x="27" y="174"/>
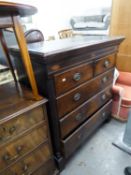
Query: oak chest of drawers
<point x="25" y="146"/>
<point x="76" y="75"/>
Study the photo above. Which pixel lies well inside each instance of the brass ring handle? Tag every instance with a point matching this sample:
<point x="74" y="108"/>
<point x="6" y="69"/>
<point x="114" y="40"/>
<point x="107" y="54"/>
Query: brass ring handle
<point x="8" y="158"/>
<point x="19" y="148"/>
<point x="103" y="97"/>
<point x="77" y="97"/>
<point x="12" y="129"/>
<point x="78" y="117"/>
<point x="25" y="168"/>
<point x="104" y="79"/>
<point x="103" y="115"/>
<point x="77" y="76"/>
<point x="106" y="63"/>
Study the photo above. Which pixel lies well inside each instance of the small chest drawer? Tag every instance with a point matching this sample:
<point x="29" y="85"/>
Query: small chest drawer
<point x="75" y="118"/>
<point x="74" y="98"/>
<point x="104" y="64"/>
<point x="21" y="123"/>
<point x="72" y="77"/>
<point x="21" y="146"/>
<point x="75" y="140"/>
<point x="30" y="163"/>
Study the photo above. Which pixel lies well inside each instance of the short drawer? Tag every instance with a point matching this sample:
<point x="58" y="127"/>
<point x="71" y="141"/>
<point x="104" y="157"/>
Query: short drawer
<point x="104" y="64"/>
<point x="30" y="163"/>
<point x="72" y="77"/>
<point x="74" y="98"/>
<point x="84" y="131"/>
<point x="83" y="112"/>
<point x="13" y="151"/>
<point x="21" y="123"/>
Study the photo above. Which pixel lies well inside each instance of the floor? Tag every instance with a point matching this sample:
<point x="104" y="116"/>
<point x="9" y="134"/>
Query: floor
<point x="98" y="156"/>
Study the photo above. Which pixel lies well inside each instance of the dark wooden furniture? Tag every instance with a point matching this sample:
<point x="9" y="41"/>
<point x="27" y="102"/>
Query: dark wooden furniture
<point x="76" y="75"/>
<point x="25" y="146"/>
<point x="10" y="14"/>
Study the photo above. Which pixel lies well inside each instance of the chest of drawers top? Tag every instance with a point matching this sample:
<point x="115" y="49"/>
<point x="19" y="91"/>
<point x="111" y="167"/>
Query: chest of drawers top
<point x="55" y="51"/>
<point x="13" y="104"/>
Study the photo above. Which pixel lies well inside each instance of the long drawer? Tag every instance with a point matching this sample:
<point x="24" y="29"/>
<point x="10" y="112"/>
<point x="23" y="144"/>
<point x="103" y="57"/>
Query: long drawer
<point x="21" y="123"/>
<point x="75" y="118"/>
<point x="30" y="163"/>
<point x="74" y="98"/>
<point x="71" y="78"/>
<point x="14" y="150"/>
<point x="75" y="140"/>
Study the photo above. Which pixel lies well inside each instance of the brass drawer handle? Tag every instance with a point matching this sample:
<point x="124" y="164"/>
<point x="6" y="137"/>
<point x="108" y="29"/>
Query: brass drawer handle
<point x="103" y="97"/>
<point x="106" y="64"/>
<point x="78" y="117"/>
<point x="104" y="79"/>
<point x="19" y="149"/>
<point x="6" y="157"/>
<point x="104" y="115"/>
<point x="77" y="97"/>
<point x="12" y="129"/>
<point x="77" y="76"/>
<point x="25" y="168"/>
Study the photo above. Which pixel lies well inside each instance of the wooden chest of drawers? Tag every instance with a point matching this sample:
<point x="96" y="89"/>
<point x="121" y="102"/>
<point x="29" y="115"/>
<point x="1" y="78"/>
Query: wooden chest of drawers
<point x="24" y="135"/>
<point x="76" y="75"/>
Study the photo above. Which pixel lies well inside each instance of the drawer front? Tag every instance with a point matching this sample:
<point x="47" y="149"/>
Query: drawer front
<point x="75" y="140"/>
<point x="72" y="77"/>
<point x="75" y="118"/>
<point x="22" y="146"/>
<point x="74" y="98"/>
<point x="47" y="169"/>
<point x="21" y="123"/>
<point x="30" y="163"/>
<point x="104" y="64"/>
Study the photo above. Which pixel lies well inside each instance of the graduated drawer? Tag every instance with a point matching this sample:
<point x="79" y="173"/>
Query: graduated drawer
<point x="75" y="140"/>
<point x="30" y="163"/>
<point x="74" y="98"/>
<point x="72" y="77"/>
<point x="104" y="64"/>
<point x="21" y="123"/>
<point x="14" y="150"/>
<point x="83" y="112"/>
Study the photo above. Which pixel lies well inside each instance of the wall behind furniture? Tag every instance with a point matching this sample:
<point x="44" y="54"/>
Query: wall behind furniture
<point x="121" y="25"/>
<point x="55" y="15"/>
